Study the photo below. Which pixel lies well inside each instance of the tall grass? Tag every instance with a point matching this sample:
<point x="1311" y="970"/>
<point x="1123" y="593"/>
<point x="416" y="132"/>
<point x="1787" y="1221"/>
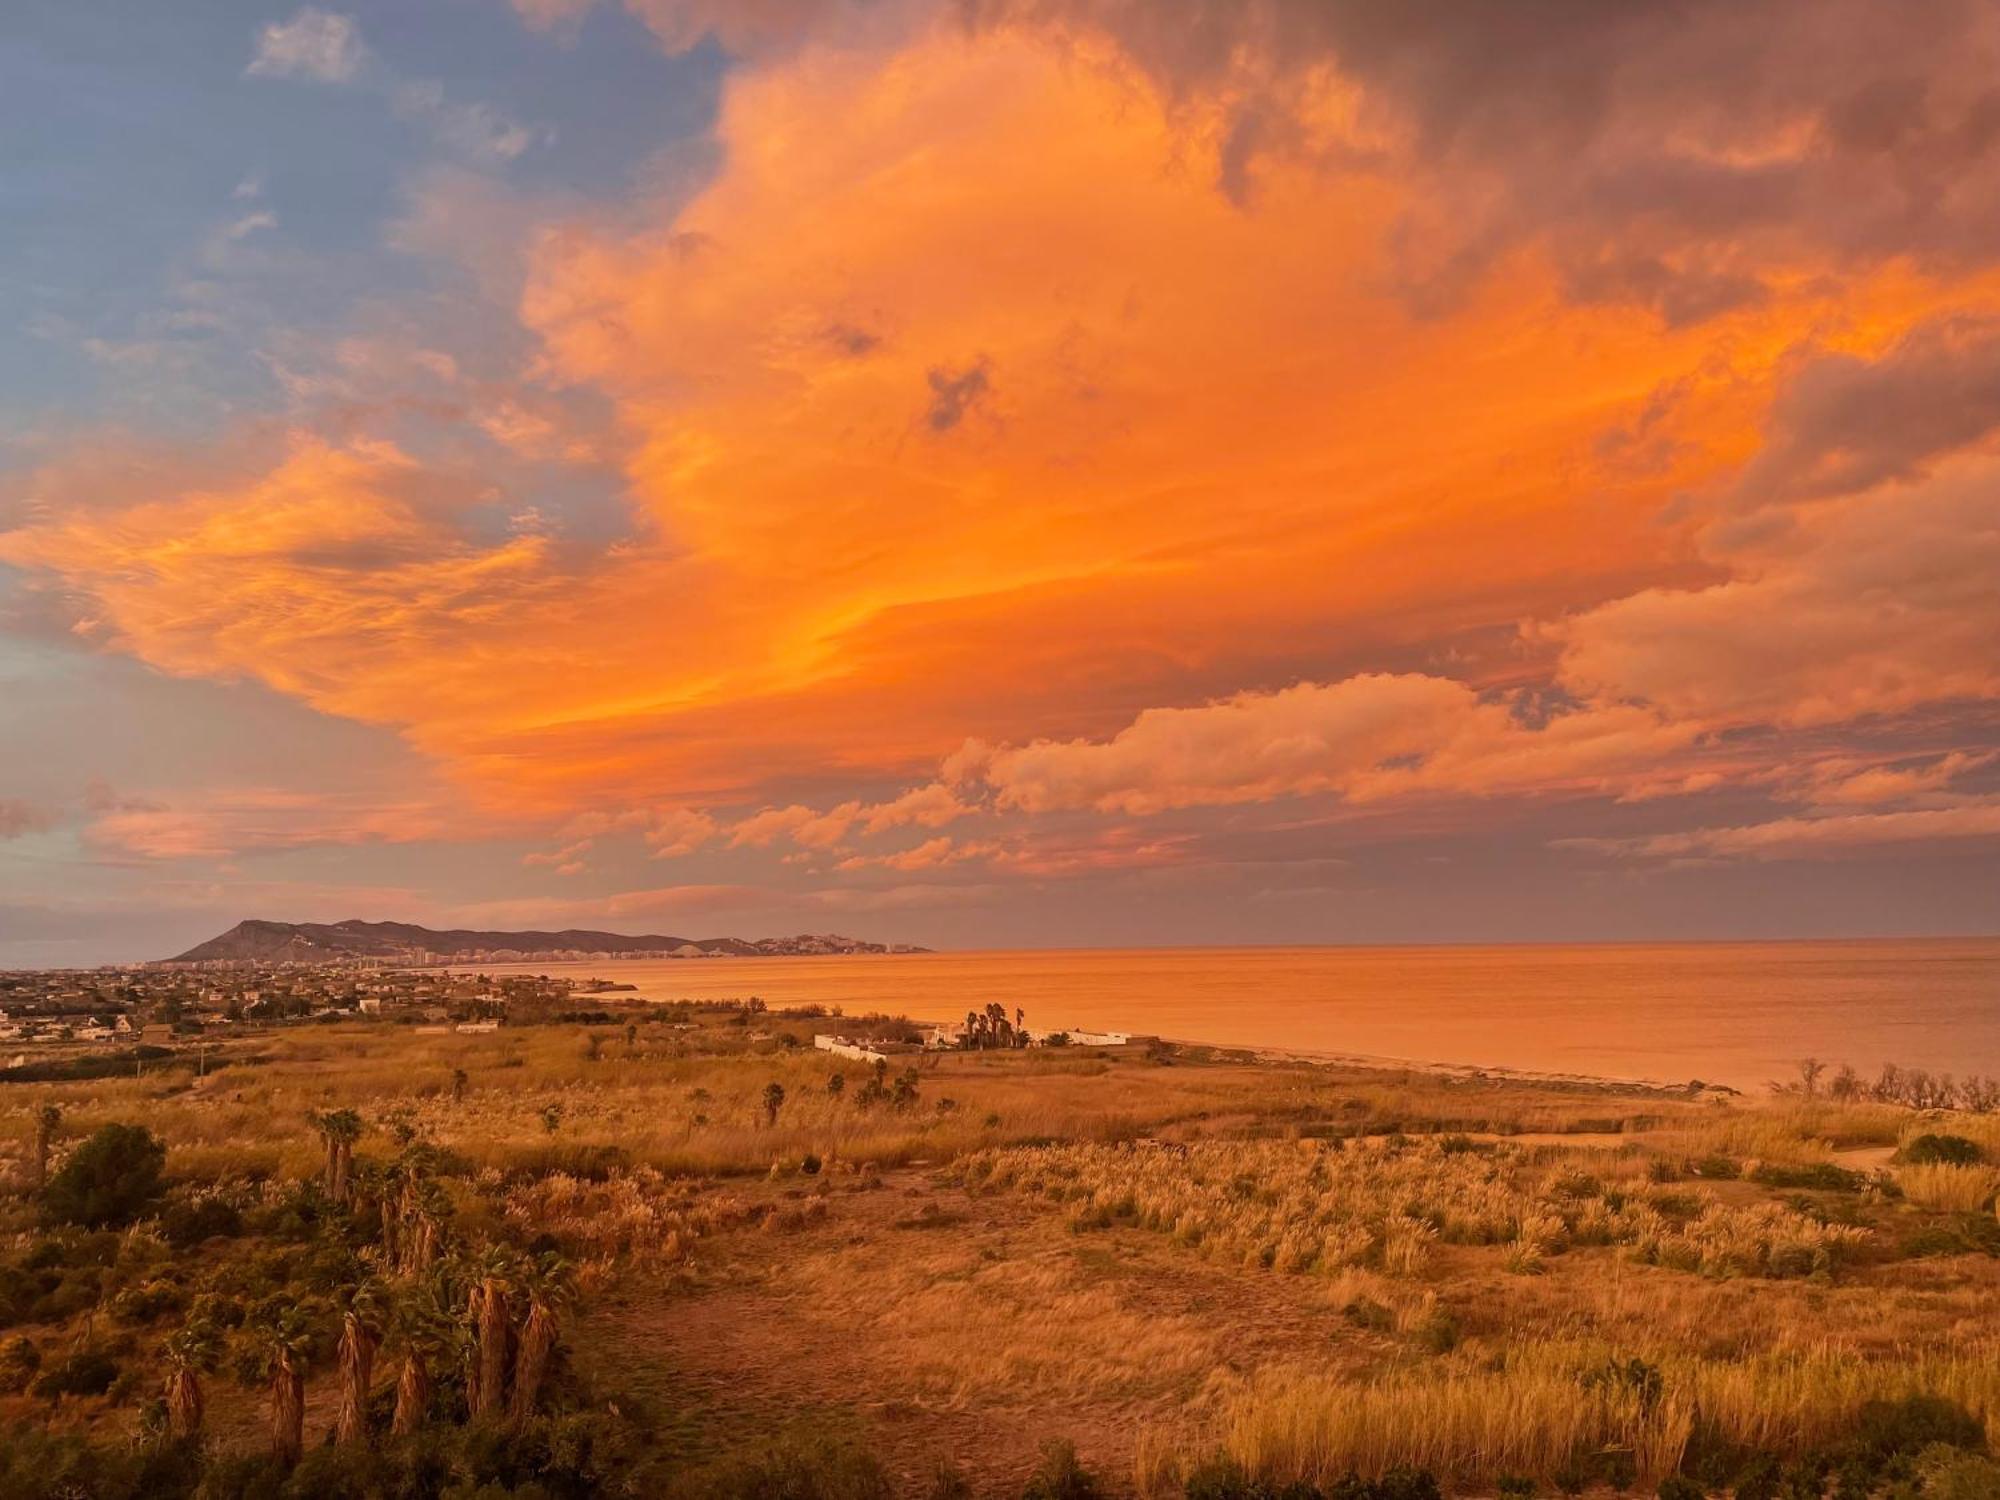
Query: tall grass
<point x="1948" y="1189"/>
<point x="1549" y="1403"/>
<point x="1303" y="1206"/>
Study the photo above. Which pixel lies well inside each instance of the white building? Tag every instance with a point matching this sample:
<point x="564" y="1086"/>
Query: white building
<point x="840" y="1046"/>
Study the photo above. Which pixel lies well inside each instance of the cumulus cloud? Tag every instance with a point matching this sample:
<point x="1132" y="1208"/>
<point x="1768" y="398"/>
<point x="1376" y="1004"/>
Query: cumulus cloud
<point x="316" y="44"/>
<point x="1873" y="604"/>
<point x="1844" y="422"/>
<point x="1369" y="738"/>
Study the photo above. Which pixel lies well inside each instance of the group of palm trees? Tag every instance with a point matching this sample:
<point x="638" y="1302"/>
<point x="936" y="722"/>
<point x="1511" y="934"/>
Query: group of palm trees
<point x="992" y="1028"/>
<point x="488" y="1314"/>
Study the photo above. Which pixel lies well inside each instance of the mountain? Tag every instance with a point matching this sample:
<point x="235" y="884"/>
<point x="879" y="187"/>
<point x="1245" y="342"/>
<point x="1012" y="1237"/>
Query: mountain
<point x="402" y="942"/>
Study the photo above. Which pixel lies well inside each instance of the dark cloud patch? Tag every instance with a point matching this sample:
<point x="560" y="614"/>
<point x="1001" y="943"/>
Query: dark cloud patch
<point x="1668" y="153"/>
<point x="955" y="392"/>
<point x="851" y="340"/>
<point x="1843" y="423"/>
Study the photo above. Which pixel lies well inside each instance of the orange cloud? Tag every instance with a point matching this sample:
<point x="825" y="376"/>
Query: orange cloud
<point x="962" y="404"/>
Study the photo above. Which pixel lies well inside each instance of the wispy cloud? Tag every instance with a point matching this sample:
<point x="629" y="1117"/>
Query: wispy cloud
<point x="318" y="44"/>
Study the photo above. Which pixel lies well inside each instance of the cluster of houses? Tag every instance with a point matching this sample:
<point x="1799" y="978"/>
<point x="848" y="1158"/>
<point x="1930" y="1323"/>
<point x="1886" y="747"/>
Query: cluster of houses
<point x="952" y="1037"/>
<point x="159" y="1006"/>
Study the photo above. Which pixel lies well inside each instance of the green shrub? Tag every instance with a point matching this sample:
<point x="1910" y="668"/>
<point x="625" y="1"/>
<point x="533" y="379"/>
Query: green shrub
<point x="19" y="1359"/>
<point x="1887" y="1429"/>
<point x="1515" y="1487"/>
<point x="187" y="1224"/>
<point x="826" y="1470"/>
<point x="1061" y="1477"/>
<point x="1680" y="1487"/>
<point x="110" y="1179"/>
<point x="1952" y="1474"/>
<point x="1223" y="1478"/>
<point x="1948" y="1150"/>
<point x="1821" y="1174"/>
<point x="1438" y="1333"/>
<point x="88" y="1372"/>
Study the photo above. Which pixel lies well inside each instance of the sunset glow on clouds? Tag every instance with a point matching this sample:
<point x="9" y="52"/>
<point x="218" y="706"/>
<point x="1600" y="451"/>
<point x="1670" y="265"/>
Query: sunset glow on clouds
<point x="1040" y="471"/>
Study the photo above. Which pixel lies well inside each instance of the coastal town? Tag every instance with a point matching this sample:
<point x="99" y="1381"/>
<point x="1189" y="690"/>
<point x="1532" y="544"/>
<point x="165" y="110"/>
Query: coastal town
<point x="159" y="1006"/>
<point x="92" y="1021"/>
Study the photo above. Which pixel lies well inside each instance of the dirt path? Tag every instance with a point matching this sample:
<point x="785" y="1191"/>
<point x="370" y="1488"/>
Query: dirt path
<point x="939" y="1325"/>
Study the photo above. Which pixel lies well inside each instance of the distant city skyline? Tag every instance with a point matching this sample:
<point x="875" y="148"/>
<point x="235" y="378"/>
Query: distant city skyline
<point x="999" y="474"/>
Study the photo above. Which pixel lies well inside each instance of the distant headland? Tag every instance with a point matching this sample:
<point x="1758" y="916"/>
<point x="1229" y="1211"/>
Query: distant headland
<point x="256" y="941"/>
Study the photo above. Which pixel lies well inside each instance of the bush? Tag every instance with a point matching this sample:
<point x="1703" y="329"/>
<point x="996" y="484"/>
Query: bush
<point x="19" y="1359"/>
<point x="1223" y="1478"/>
<point x="1950" y="1474"/>
<point x="793" y="1471"/>
<point x="1942" y="1150"/>
<point x="1061" y="1477"/>
<point x="1887" y="1429"/>
<point x="110" y="1179"/>
<point x="1821" y="1174"/>
<point x="187" y="1224"/>
<point x="88" y="1372"/>
<point x="1680" y="1487"/>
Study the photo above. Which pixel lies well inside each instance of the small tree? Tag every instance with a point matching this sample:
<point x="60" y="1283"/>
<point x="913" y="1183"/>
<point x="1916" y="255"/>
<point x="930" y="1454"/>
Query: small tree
<point x="552" y="1118"/>
<point x="774" y="1100"/>
<point x="1810" y="1069"/>
<point x="837" y="1085"/>
<point x="110" y="1179"/>
<point x="459" y="1079"/>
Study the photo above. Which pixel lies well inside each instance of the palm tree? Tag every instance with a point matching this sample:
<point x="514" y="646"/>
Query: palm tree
<point x="189" y="1351"/>
<point x="549" y="1284"/>
<point x="48" y="1120"/>
<point x="413" y="1209"/>
<point x="774" y="1100"/>
<point x="287" y="1341"/>
<point x="360" y="1337"/>
<point x="339" y="1129"/>
<point x="430" y="1339"/>
<point x="486" y="1311"/>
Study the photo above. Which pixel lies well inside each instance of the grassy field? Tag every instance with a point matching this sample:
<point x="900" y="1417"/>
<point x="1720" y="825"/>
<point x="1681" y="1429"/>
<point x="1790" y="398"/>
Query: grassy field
<point x="1205" y="1272"/>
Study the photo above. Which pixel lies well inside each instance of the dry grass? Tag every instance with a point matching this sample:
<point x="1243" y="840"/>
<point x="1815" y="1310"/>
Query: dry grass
<point x="1948" y="1189"/>
<point x="1546" y="1403"/>
<point x="1306" y="1206"/>
<point x="1107" y="1272"/>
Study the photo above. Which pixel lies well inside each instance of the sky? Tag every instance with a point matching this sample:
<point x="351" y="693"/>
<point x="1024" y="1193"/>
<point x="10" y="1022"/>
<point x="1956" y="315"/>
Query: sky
<point x="1000" y="473"/>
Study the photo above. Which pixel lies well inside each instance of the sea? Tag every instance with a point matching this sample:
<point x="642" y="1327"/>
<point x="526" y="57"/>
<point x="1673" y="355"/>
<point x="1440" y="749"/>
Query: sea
<point x="1740" y="1014"/>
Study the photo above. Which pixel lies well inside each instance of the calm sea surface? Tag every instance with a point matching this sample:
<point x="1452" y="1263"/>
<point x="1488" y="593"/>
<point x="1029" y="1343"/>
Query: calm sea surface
<point x="1736" y="1013"/>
